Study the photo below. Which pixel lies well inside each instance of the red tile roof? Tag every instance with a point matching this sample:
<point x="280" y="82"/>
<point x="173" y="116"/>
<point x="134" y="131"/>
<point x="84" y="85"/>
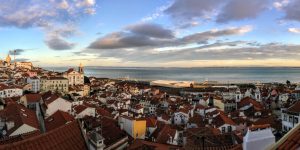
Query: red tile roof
<point x="70" y="70"/>
<point x="247" y="101"/>
<point x="59" y="118"/>
<point x="20" y="137"/>
<point x="295" y="107"/>
<point x="51" y="99"/>
<point x="65" y="137"/>
<point x="33" y="98"/>
<point x="103" y="112"/>
<point x="141" y="144"/>
<point x="222" y="119"/>
<point x="19" y="115"/>
<point x="79" y="108"/>
<point x="165" y="133"/>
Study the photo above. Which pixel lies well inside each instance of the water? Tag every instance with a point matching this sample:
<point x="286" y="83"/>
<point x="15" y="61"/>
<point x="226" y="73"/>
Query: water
<point x="241" y="74"/>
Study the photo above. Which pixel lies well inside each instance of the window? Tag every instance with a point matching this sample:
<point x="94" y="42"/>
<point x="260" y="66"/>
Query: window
<point x="290" y="119"/>
<point x="229" y="129"/>
<point x="296" y="120"/>
<point x="284" y="117"/>
<point x="223" y="129"/>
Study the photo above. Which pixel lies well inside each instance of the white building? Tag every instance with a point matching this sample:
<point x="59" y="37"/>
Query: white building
<point x="181" y="118"/>
<point x="10" y="91"/>
<point x="75" y="77"/>
<point x="290" y="117"/>
<point x="35" y="84"/>
<point x="258" y="138"/>
<point x="55" y="103"/>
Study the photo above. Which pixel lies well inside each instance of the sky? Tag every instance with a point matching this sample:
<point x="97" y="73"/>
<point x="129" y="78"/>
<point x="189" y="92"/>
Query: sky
<point x="152" y="33"/>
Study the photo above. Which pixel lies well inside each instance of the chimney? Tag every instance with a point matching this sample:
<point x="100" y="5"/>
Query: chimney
<point x="96" y="141"/>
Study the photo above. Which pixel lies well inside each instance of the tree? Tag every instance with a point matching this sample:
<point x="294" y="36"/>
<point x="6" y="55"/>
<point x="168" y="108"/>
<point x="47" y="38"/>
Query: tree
<point x="288" y="82"/>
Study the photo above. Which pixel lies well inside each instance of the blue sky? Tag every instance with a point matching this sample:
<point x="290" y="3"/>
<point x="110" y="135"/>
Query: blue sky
<point x="152" y="33"/>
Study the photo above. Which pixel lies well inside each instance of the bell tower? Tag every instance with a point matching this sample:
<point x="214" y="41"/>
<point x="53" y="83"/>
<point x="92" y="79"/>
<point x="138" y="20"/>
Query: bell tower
<point x="80" y="68"/>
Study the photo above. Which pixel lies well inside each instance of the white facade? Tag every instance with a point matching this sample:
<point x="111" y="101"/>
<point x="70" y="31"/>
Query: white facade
<point x="180" y="118"/>
<point x="58" y="104"/>
<point x="35" y="84"/>
<point x="75" y="77"/>
<point x="11" y="92"/>
<point x="23" y="129"/>
<point x="126" y="125"/>
<point x="258" y="140"/>
<point x="289" y="120"/>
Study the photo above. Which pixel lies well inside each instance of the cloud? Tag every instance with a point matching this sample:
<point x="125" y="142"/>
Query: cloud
<point x="231" y="50"/>
<point x="238" y="10"/>
<point x="280" y="4"/>
<point x="21" y="59"/>
<point x="292" y="11"/>
<point x="58" y="43"/>
<point x="56" y="37"/>
<point x="153" y="36"/>
<point x="48" y="15"/>
<point x="158" y="13"/>
<point x="136" y="35"/>
<point x="294" y="30"/>
<point x="222" y="11"/>
<point x="151" y="30"/>
<point x="16" y="52"/>
<point x="204" y="36"/>
<point x="187" y="10"/>
<point x="32" y="13"/>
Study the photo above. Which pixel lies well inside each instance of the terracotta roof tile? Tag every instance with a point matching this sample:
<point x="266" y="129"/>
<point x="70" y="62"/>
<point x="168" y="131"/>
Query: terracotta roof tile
<point x="292" y="142"/>
<point x="295" y="107"/>
<point x="65" y="137"/>
<point x="19" y="115"/>
<point x="57" y="119"/>
<point x="79" y="108"/>
<point x="141" y="144"/>
<point x="33" y="98"/>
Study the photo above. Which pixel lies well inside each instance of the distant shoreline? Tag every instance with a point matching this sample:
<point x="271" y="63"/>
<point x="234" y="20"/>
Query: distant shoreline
<point x="176" y="67"/>
<point x="230" y="75"/>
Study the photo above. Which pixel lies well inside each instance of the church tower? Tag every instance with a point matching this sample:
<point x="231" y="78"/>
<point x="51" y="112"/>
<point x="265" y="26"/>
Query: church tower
<point x="80" y="68"/>
<point x="8" y="60"/>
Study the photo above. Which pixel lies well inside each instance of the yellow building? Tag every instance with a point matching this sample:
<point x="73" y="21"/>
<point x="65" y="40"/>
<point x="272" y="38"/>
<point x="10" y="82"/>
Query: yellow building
<point x="53" y="84"/>
<point x="86" y="90"/>
<point x="135" y="127"/>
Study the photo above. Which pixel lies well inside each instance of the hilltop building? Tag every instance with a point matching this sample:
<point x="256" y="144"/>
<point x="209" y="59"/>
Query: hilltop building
<point x="75" y="77"/>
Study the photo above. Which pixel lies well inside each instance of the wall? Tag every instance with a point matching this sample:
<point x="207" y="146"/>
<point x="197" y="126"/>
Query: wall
<point x="59" y="104"/>
<point x="23" y="129"/>
<point x="139" y="128"/>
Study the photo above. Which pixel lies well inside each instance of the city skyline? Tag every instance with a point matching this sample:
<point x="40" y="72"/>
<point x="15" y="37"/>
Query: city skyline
<point x="173" y="33"/>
